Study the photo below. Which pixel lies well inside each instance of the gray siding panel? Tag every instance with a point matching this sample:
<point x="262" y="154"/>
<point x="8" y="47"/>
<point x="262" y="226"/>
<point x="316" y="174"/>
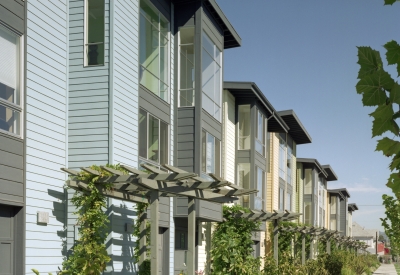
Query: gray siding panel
<point x="185" y="139"/>
<point x="211" y="125"/>
<point x="12" y="13"/>
<point x="154" y="105"/>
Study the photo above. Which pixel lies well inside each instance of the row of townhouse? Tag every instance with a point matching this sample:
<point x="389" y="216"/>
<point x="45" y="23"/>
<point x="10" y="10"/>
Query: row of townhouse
<point x="86" y="82"/>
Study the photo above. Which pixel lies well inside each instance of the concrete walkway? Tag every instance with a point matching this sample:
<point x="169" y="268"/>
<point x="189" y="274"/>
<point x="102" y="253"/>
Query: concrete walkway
<point x="386" y="269"/>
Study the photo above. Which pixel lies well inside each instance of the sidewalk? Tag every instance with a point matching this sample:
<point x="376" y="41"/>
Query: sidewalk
<point x="386" y="269"/>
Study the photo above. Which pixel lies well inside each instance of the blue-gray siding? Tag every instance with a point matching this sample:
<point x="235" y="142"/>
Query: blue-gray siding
<point x="46" y="134"/>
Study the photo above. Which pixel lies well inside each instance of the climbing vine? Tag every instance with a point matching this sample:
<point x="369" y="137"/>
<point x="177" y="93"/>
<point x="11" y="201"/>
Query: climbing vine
<point x="380" y="90"/>
<point x="89" y="254"/>
<point x="144" y="267"/>
<point x="231" y="242"/>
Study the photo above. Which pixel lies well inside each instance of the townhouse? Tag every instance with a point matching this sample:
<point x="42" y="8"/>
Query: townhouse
<point x="97" y="81"/>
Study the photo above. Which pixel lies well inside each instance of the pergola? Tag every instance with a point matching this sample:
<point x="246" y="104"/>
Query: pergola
<point x="313" y="232"/>
<point x="148" y="186"/>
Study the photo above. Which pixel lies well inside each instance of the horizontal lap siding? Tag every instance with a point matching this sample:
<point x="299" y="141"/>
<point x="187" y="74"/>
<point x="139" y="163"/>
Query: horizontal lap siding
<point x="46" y="136"/>
<point x="229" y="137"/>
<point x="88" y="94"/>
<point x="124" y="120"/>
<point x="185" y="139"/>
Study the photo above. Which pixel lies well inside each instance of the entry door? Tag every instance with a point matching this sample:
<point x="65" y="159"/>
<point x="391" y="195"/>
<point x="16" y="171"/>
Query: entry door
<point x="6" y="240"/>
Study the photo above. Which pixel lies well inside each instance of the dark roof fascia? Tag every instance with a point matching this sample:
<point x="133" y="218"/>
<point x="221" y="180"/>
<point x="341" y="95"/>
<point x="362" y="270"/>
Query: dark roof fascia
<point x="252" y="87"/>
<point x="231" y="37"/>
<point x="352" y="207"/>
<point x="331" y="174"/>
<point x="313" y="162"/>
<point x="297" y="131"/>
<point x="342" y="191"/>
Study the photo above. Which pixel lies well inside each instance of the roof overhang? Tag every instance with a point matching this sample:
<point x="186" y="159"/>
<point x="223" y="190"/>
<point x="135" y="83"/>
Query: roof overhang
<point x="307" y="162"/>
<point x="231" y="37"/>
<point x="331" y="174"/>
<point x="297" y="131"/>
<point x="352" y="207"/>
<point x="250" y="90"/>
<point x="342" y="192"/>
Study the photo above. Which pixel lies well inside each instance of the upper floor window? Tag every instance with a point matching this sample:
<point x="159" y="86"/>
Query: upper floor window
<point x="243" y="171"/>
<point x="281" y="199"/>
<point x="282" y="158"/>
<point x="333" y="205"/>
<point x="259" y="196"/>
<point x="94" y="32"/>
<point x="260" y="138"/>
<point x="308" y="182"/>
<point x="10" y="106"/>
<point x="211" y="77"/>
<point x="153" y="50"/>
<point x="244" y="117"/>
<point x="153" y="138"/>
<point x="211" y="154"/>
<point x="186" y="67"/>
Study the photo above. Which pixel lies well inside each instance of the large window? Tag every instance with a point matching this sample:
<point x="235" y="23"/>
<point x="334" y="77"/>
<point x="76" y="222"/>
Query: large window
<point x="260" y="138"/>
<point x="259" y="196"/>
<point x="307" y="213"/>
<point x="211" y="154"/>
<point x="333" y="205"/>
<point x="186" y="67"/>
<point x="153" y="138"/>
<point x="94" y="32"/>
<point x="244" y="118"/>
<point x="289" y="201"/>
<point x="282" y="158"/>
<point x="281" y="199"/>
<point x="153" y="50"/>
<point x="211" y="77"/>
<point x="244" y="182"/>
<point x="10" y="108"/>
<point x="308" y="182"/>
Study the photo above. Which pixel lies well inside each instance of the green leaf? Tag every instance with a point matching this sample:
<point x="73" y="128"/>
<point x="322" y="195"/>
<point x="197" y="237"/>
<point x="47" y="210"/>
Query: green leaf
<point x="395" y="163"/>
<point x="389" y="2"/>
<point x="388" y="146"/>
<point x="394" y="183"/>
<point x="383" y="121"/>
<point x="369" y="60"/>
<point x="394" y="95"/>
<point x="372" y="87"/>
<point x="393" y="52"/>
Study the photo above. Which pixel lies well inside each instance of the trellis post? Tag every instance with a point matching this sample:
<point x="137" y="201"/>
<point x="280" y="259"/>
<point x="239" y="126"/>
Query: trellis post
<point x="154" y="238"/>
<point x="311" y="247"/>
<point x="276" y="235"/>
<point x="303" y="249"/>
<point x="191" y="260"/>
<point x="328" y="245"/>
<point x="142" y="239"/>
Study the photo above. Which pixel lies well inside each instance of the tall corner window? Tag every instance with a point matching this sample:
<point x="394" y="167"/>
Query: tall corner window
<point x="243" y="179"/>
<point x="186" y="67"/>
<point x="153" y="50"/>
<point x="308" y="182"/>
<point x="211" y="154"/>
<point x="153" y="139"/>
<point x="244" y="133"/>
<point x="10" y="106"/>
<point x="94" y="32"/>
<point x="259" y="196"/>
<point x="260" y="138"/>
<point x="282" y="158"/>
<point x="211" y="62"/>
<point x="289" y="201"/>
<point x="281" y="199"/>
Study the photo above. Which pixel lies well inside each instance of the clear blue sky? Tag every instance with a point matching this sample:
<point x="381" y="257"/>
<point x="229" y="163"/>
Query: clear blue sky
<point x="303" y="56"/>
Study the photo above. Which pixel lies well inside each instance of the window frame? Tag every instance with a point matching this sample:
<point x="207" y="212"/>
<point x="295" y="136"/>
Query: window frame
<point x="86" y="44"/>
<point x="204" y="156"/>
<point x="260" y="191"/>
<point x="147" y="160"/>
<point x="167" y="66"/>
<point x="180" y="68"/>
<point x="17" y="105"/>
<point x="260" y="116"/>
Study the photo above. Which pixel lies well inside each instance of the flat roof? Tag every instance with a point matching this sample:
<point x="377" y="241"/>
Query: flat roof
<point x="341" y="191"/>
<point x="251" y="90"/>
<point x="352" y="207"/>
<point x="297" y="131"/>
<point x="231" y="37"/>
<point x="313" y="162"/>
<point x="331" y="174"/>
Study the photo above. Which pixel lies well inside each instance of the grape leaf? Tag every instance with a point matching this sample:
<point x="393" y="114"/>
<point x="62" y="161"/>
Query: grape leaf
<point x="372" y="87"/>
<point x="394" y="183"/>
<point x="389" y="2"/>
<point x="383" y="121"/>
<point x="393" y="52"/>
<point x="395" y="162"/>
<point x="388" y="146"/>
<point x="394" y="96"/>
<point x="369" y="60"/>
